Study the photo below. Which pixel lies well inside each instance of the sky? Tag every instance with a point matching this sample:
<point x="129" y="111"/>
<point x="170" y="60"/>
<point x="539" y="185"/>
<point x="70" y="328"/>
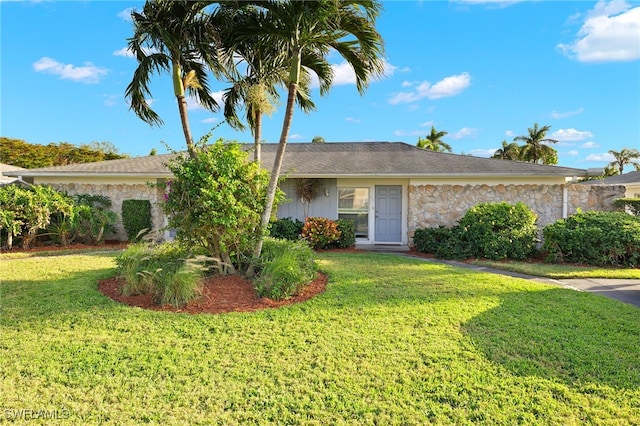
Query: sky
<point x="483" y="71"/>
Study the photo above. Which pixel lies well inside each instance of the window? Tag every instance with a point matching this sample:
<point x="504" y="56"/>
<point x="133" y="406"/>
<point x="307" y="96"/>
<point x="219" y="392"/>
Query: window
<point x="353" y="203"/>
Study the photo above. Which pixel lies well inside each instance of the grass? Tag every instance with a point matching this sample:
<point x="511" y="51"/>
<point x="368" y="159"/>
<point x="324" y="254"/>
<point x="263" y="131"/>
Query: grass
<point x="393" y="340"/>
<point x="559" y="271"/>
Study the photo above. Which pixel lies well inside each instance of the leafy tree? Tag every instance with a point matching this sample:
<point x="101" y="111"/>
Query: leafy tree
<point x="20" y="153"/>
<point x="174" y="36"/>
<point x="509" y="151"/>
<point x="318" y="139"/>
<point x="304" y="32"/>
<point x="215" y="201"/>
<point x="434" y="142"/>
<point x="535" y="149"/>
<point x="623" y="157"/>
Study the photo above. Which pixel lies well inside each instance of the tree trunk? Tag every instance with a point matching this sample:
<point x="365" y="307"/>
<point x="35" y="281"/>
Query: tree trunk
<point x="184" y="119"/>
<point x="256" y="137"/>
<point x="275" y="172"/>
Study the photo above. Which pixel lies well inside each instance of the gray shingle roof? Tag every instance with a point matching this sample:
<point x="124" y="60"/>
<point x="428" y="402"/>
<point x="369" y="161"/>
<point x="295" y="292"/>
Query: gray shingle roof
<point x="341" y="159"/>
<point x="631" y="177"/>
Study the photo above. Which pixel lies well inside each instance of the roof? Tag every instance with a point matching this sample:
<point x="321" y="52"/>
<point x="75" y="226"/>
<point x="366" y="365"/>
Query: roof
<point x="337" y="159"/>
<point x="631" y="177"/>
<point x="7" y="168"/>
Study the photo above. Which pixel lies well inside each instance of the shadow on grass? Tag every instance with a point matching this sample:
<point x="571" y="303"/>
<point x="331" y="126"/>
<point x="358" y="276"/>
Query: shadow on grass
<point x="29" y="300"/>
<point x="558" y="334"/>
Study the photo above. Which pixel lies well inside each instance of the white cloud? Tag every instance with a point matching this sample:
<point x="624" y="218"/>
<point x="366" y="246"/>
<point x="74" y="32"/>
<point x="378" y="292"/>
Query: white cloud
<point x="126" y="14"/>
<point x="558" y="115"/>
<point x="611" y="32"/>
<point x="465" y="132"/>
<point x="483" y="152"/>
<point x="406" y="84"/>
<point x="503" y="3"/>
<point x="570" y="135"/>
<point x="590" y="145"/>
<point x="448" y="86"/>
<point x="343" y="74"/>
<point x="88" y="73"/>
<point x="428" y="123"/>
<point x="296" y="136"/>
<point x="125" y="52"/>
<point x="509" y="134"/>
<point x="110" y="100"/>
<point x="353" y="120"/>
<point x="193" y="104"/>
<point x="600" y="157"/>
<point x="573" y="153"/>
<point x="210" y="120"/>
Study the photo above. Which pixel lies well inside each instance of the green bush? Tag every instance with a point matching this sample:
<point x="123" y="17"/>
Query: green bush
<point x="320" y="232"/>
<point x="167" y="270"/>
<point x="594" y="238"/>
<point x="285" y="267"/>
<point x="427" y="240"/>
<point x="347" y="229"/>
<point x="631" y="205"/>
<point x="286" y="228"/>
<point x="136" y="218"/>
<point x="500" y="230"/>
<point x="489" y="230"/>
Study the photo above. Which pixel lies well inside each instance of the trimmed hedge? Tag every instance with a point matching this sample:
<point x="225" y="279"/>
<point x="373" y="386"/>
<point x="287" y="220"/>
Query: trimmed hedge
<point x="347" y="229"/>
<point x="594" y="238"/>
<point x="136" y="217"/>
<point x="631" y="205"/>
<point x="488" y="230"/>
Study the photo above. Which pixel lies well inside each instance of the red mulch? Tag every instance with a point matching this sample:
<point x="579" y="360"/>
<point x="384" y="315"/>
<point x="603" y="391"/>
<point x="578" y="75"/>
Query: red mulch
<point x="219" y="294"/>
<point x="39" y="248"/>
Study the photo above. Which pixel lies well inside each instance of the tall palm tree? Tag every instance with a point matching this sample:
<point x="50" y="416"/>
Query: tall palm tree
<point x="535" y="149"/>
<point x="509" y="151"/>
<point x="434" y="141"/>
<point x="178" y="37"/>
<point x="305" y="32"/>
<point x="264" y="70"/>
<point x="623" y="157"/>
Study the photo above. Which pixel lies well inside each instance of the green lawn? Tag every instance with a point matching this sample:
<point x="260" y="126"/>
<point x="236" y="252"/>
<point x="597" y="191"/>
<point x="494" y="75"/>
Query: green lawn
<point x="393" y="340"/>
<point x="560" y="271"/>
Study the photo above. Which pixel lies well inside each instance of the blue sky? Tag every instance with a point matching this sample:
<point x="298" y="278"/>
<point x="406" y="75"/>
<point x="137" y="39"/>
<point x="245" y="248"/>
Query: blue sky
<point x="484" y="71"/>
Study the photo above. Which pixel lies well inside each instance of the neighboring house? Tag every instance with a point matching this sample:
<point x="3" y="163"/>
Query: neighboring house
<point x="631" y="182"/>
<point x="4" y="180"/>
<point x="389" y="188"/>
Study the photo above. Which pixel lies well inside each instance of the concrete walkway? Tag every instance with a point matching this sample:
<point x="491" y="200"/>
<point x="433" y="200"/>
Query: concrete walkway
<point x="627" y="290"/>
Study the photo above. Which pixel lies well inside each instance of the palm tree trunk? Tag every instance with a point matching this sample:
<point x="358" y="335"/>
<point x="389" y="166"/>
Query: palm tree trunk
<point x="256" y="137"/>
<point x="184" y="119"/>
<point x="275" y="172"/>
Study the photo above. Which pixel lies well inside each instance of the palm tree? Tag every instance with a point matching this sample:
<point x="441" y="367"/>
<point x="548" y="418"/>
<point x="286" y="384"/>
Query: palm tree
<point x="535" y="149"/>
<point x="434" y="141"/>
<point x="305" y="32"/>
<point x="264" y="70"/>
<point x="178" y="37"/>
<point x="509" y="151"/>
<point x="623" y="157"/>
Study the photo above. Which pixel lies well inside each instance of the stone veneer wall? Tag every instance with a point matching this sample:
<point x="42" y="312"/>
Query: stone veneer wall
<point x="117" y="193"/>
<point x="433" y="205"/>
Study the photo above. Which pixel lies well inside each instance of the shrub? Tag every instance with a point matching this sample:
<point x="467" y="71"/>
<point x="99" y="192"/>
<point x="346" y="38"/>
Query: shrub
<point x="285" y="267"/>
<point x="136" y="218"/>
<point x="95" y="219"/>
<point x="347" y="229"/>
<point x="167" y="270"/>
<point x="489" y="230"/>
<point x="427" y="240"/>
<point x="594" y="238"/>
<point x="286" y="228"/>
<point x="215" y="201"/>
<point x="500" y="230"/>
<point x="320" y="232"/>
<point x="632" y="205"/>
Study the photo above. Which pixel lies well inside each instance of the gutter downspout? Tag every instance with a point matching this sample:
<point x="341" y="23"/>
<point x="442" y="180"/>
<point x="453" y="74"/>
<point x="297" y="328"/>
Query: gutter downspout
<point x="565" y="197"/>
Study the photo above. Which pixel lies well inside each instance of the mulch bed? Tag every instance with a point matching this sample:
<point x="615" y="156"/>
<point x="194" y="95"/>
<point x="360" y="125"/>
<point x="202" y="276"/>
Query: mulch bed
<point x="230" y="293"/>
